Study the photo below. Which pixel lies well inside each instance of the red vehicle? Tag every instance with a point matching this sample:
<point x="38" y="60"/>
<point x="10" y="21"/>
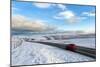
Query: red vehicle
<point x="71" y="47"/>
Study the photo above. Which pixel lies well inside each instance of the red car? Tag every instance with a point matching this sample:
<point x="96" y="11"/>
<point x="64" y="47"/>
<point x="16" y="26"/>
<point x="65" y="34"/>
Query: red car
<point x="71" y="47"/>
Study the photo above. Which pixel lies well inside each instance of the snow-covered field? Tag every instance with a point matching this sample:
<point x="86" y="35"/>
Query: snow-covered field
<point x="28" y="53"/>
<point x="86" y="42"/>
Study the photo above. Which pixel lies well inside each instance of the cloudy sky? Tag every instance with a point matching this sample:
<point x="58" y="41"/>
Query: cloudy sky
<point x="32" y="16"/>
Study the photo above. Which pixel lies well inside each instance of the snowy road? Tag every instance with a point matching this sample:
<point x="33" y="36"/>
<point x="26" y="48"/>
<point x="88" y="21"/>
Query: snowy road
<point x="28" y="53"/>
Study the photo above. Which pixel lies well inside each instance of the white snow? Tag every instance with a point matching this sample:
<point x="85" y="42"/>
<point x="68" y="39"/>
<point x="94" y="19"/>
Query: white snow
<point x="28" y="53"/>
<point x="86" y="42"/>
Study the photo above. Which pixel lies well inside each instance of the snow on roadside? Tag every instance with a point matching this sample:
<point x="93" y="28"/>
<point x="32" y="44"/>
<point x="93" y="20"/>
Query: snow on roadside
<point x="85" y="42"/>
<point x="16" y="42"/>
<point x="34" y="53"/>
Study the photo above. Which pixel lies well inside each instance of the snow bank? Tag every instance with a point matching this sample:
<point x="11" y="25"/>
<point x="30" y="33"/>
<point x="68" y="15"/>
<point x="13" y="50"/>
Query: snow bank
<point x="86" y="42"/>
<point x="34" y="53"/>
<point x="16" y="42"/>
